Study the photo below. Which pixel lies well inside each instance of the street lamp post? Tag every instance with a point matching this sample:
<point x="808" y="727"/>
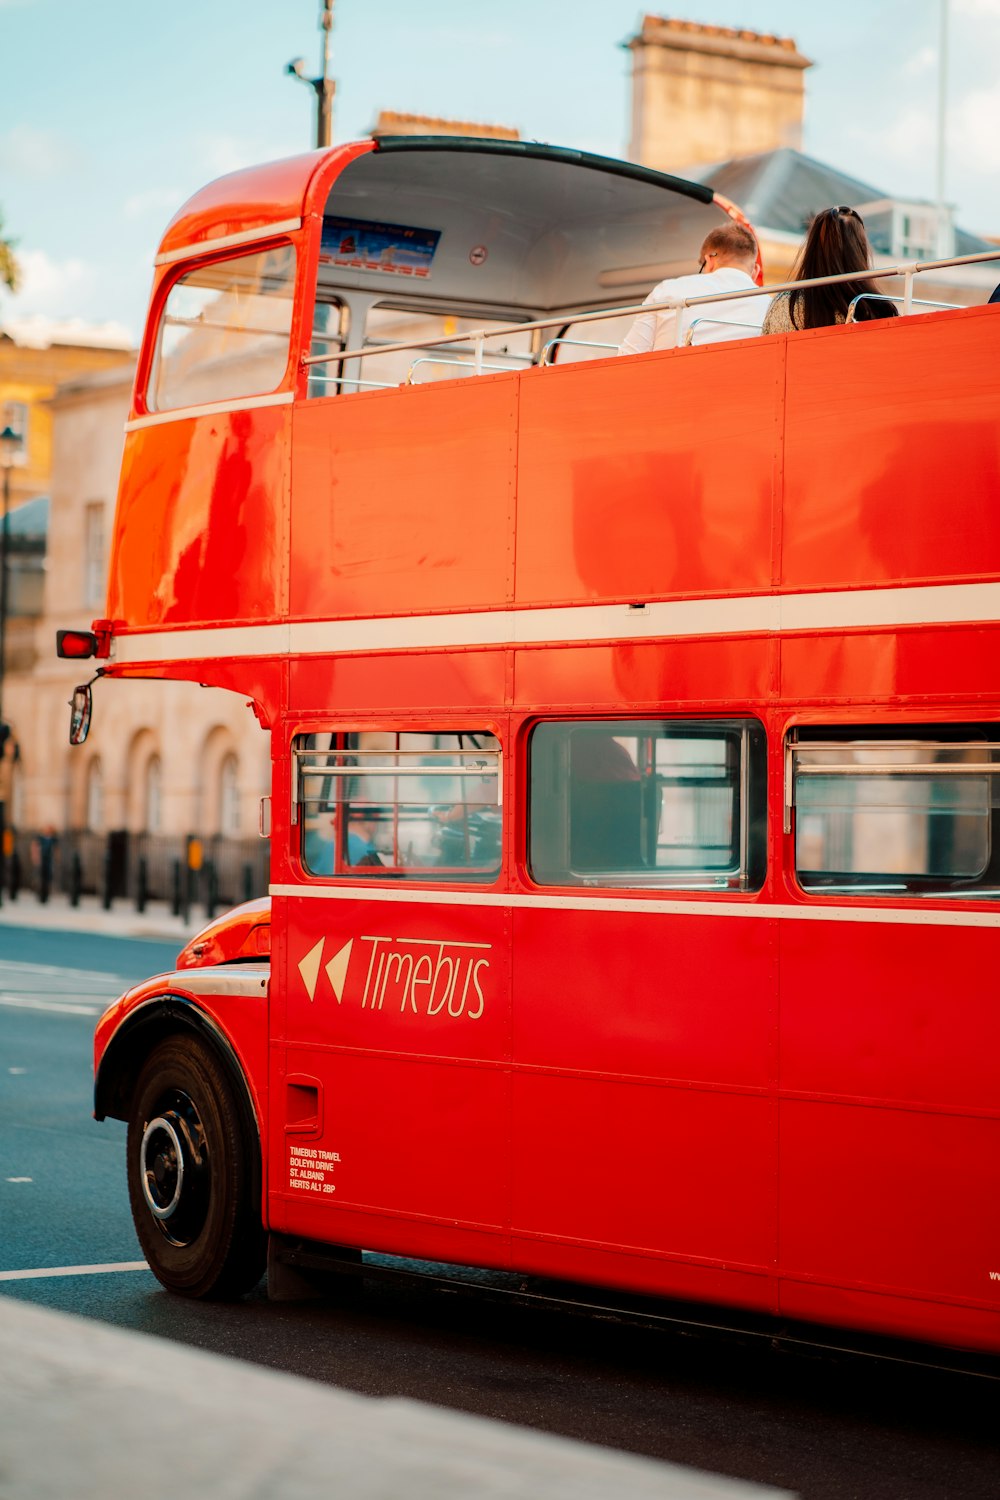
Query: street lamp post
<point x="10" y="443"/>
<point x="323" y="86"/>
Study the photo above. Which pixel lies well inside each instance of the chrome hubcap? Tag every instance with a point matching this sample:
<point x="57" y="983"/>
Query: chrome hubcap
<point x="174" y="1169"/>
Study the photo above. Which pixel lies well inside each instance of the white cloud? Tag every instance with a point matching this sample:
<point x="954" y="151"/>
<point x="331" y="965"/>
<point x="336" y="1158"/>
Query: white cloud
<point x="219" y="154"/>
<point x="910" y="136"/>
<point x="54" y="288"/>
<point x="923" y="61"/>
<point x="74" y="294"/>
<point x="988" y="8"/>
<point x="162" y="202"/>
<point x="974" y="124"/>
<point x="32" y="151"/>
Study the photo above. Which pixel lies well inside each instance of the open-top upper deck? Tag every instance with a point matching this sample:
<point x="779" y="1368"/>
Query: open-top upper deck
<point x="268" y="509"/>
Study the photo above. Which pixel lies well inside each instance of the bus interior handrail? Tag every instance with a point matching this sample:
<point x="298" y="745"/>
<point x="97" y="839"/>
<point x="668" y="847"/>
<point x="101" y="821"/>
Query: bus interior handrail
<point x="476" y="338"/>
<point x="546" y="359"/>
<point x="465" y="364"/>
<point x="751" y="328"/>
<point x="884" y="297"/>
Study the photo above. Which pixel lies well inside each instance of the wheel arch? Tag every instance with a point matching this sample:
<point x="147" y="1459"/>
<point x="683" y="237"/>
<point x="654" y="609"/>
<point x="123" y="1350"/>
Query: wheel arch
<point x="159" y="1017"/>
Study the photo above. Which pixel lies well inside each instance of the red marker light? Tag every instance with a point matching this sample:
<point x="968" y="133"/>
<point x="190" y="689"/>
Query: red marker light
<point x="76" y="644"/>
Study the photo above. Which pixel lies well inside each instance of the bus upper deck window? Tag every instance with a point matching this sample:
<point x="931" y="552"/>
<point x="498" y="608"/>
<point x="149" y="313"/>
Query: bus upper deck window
<point x="225" y="331"/>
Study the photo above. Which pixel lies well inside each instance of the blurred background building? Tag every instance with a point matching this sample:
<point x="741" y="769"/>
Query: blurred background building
<point x="168" y="785"/>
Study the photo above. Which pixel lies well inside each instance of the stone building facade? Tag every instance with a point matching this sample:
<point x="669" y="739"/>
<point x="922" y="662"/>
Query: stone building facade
<point x="170" y="762"/>
<point x="165" y="762"/>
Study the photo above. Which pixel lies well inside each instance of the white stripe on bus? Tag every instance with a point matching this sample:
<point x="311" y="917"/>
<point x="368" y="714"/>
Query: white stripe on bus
<point x="753" y="614"/>
<point x="224" y="241"/>
<point x="913" y="915"/>
<point x="210" y="408"/>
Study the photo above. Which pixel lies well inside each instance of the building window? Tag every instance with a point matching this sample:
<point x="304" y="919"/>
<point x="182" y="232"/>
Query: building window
<point x="94" y="560"/>
<point x="677" y="804"/>
<point x="225" y="331"/>
<point x="15" y="416"/>
<point x="416" y="806"/>
<point x="95" y="797"/>
<point x="229" y="797"/>
<point x="153" y="801"/>
<point x="896" y="812"/>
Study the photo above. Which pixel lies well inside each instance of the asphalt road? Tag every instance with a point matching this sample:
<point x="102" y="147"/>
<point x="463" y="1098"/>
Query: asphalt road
<point x="820" y="1426"/>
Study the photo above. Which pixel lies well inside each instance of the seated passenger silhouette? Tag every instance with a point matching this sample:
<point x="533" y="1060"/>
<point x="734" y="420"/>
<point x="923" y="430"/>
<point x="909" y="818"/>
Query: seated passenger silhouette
<point x="362" y="825"/>
<point x="605" y="805"/>
<point x="836" y="243"/>
<point x="727" y="260"/>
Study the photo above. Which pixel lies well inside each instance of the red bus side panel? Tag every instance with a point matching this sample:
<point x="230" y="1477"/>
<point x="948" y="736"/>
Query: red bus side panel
<point x="399" y="1014"/>
<point x="202" y="521"/>
<point x="402" y="502"/>
<point x="615" y="499"/>
<point x="642" y="1111"/>
<point x="876" y="454"/>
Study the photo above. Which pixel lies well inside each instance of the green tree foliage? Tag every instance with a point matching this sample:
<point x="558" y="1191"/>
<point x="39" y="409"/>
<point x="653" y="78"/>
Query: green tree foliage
<point x="10" y="271"/>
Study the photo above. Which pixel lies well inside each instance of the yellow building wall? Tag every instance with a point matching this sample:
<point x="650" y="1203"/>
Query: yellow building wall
<point x="31" y="375"/>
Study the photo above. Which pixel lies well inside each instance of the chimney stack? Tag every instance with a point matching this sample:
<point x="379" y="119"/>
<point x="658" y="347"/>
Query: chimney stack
<point x="703" y="94"/>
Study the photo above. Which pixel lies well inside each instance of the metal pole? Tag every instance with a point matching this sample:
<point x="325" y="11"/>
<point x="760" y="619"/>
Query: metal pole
<point x="942" y="110"/>
<point x="4" y="534"/>
<point x="324" y="84"/>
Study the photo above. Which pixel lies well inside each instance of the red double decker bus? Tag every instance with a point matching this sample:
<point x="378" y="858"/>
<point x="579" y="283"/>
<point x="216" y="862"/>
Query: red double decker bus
<point x="636" y="754"/>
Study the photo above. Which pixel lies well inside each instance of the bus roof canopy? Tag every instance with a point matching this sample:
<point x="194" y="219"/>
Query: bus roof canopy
<point x="509" y="224"/>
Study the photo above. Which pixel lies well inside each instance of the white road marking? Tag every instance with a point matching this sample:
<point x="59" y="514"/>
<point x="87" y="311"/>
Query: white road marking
<point x="20" y="1179"/>
<point x="31" y="1002"/>
<point x="57" y="988"/>
<point x="88" y="976"/>
<point x="124" y="1265"/>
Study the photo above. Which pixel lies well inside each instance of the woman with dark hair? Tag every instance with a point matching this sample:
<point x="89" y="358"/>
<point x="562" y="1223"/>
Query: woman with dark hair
<point x="836" y="243"/>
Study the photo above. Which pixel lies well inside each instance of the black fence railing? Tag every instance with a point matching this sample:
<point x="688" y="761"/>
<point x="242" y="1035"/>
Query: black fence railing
<point x="188" y="873"/>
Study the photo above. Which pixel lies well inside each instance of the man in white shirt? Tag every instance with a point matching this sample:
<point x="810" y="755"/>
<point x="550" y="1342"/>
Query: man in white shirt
<point x="727" y="260"/>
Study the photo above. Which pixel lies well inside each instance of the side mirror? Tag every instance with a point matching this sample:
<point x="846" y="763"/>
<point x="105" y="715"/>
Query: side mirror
<point x="81" y="707"/>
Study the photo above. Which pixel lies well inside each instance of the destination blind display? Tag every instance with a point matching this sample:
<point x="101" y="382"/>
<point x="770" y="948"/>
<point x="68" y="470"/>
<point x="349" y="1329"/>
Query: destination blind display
<point x="360" y="245"/>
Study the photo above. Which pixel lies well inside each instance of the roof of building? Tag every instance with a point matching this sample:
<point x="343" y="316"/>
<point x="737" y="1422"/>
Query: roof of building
<point x="115" y="376"/>
<point x="392" y="122"/>
<point x="38" y="332"/>
<point x="30" y="521"/>
<point x="783" y="189"/>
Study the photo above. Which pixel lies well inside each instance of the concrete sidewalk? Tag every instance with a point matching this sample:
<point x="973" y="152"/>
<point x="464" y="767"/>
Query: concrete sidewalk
<point x="122" y="920"/>
<point x="93" y="1413"/>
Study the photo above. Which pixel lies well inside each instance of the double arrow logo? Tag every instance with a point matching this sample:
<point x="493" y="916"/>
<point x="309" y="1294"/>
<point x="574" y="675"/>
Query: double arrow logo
<point x="336" y="969"/>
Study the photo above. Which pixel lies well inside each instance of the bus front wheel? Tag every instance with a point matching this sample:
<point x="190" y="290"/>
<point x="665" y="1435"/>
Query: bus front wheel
<point x="192" y="1169"/>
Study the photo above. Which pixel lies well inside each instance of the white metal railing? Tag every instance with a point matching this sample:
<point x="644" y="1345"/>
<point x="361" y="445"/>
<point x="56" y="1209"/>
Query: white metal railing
<point x="546" y="358"/>
<point x="477" y="338"/>
<point x="749" y="329"/>
<point x="880" y="297"/>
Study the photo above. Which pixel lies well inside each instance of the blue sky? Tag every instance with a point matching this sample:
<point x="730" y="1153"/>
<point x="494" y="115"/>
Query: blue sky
<point x="113" y="111"/>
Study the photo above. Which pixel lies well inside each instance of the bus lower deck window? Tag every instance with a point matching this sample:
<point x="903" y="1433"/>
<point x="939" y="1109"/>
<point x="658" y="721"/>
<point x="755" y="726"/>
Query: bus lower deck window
<point x="404" y="805"/>
<point x="896" y="812"/>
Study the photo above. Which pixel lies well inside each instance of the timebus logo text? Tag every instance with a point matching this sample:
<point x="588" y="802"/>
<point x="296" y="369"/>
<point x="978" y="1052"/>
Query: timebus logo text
<point x="426" y="976"/>
<point x="419" y="976"/>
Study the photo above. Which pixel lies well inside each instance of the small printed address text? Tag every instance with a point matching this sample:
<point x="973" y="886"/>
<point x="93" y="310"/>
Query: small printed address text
<point x="310" y="1170"/>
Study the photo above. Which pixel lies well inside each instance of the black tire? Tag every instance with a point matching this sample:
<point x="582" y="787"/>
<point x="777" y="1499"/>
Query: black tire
<point x="194" y="1173"/>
